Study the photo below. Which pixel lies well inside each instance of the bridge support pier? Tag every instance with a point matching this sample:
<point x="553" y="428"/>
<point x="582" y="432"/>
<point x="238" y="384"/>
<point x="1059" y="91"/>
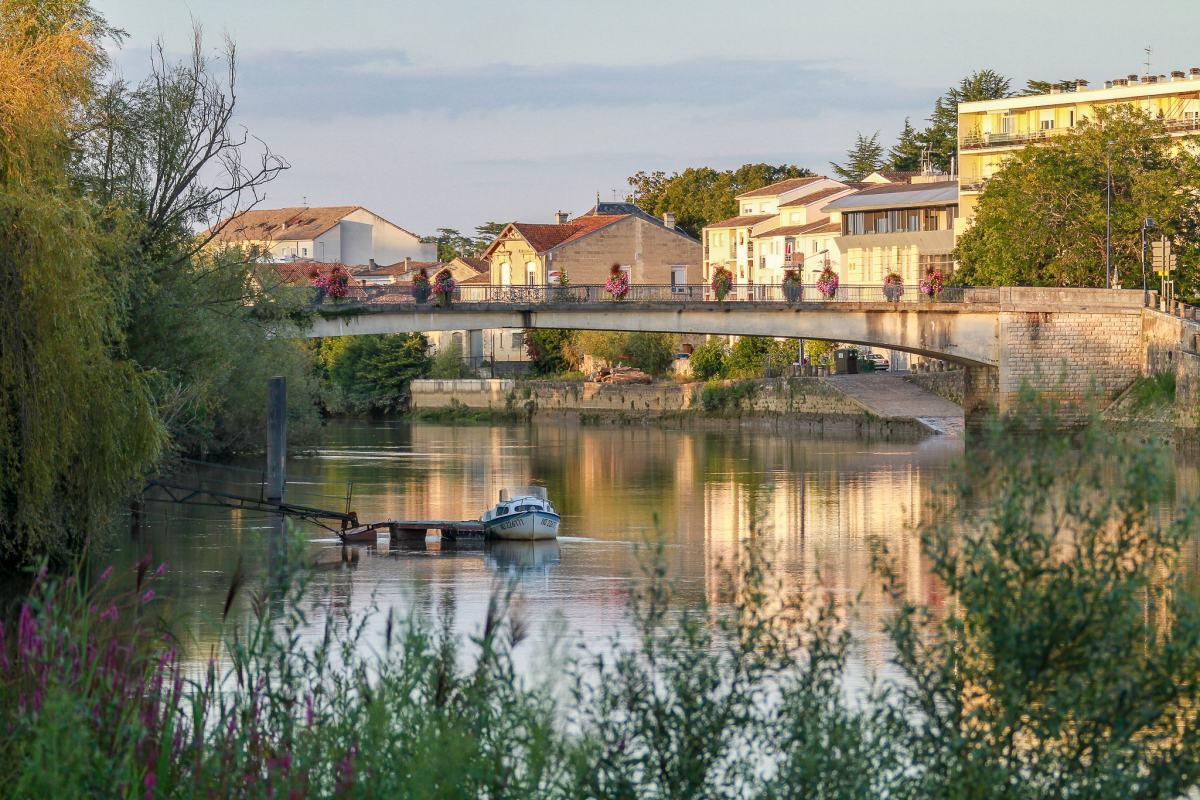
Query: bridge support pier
<point x="981" y="393"/>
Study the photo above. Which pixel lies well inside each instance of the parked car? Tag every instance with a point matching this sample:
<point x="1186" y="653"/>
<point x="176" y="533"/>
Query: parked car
<point x="878" y="362"/>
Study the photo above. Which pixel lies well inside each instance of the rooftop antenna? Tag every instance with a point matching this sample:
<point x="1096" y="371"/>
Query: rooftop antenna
<point x="597" y="197"/>
<point x="614" y="195"/>
<point x="1147" y="50"/>
<point x="304" y="201"/>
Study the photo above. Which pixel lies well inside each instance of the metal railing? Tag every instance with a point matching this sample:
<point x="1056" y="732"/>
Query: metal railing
<point x="675" y="293"/>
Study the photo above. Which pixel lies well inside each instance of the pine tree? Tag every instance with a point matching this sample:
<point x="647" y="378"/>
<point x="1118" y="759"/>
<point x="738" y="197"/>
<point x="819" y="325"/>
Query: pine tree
<point x="865" y="157"/>
<point x="905" y="155"/>
<point x="941" y="137"/>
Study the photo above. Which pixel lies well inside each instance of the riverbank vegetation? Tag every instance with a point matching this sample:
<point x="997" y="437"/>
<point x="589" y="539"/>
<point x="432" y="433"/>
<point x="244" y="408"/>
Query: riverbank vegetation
<point x="123" y="341"/>
<point x="1054" y="656"/>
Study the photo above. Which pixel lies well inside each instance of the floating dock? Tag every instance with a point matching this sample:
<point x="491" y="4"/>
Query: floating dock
<point x="451" y="530"/>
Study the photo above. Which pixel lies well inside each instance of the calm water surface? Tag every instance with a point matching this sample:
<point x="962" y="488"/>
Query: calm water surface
<point x="821" y="506"/>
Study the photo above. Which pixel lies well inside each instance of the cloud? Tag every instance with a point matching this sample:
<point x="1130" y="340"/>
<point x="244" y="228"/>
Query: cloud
<point x="339" y="82"/>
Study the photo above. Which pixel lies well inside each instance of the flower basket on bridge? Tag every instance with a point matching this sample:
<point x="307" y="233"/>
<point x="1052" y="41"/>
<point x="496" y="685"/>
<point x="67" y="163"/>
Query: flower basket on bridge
<point x="933" y="283"/>
<point x="893" y="287"/>
<point x="722" y="283"/>
<point x="827" y="283"/>
<point x="793" y="286"/>
<point x="420" y="286"/>
<point x="617" y="284"/>
<point x="443" y="287"/>
<point x="335" y="283"/>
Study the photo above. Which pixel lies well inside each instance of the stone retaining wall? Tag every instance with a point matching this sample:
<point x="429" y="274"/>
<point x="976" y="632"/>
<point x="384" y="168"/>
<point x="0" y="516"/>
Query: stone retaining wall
<point x="785" y="396"/>
<point x="947" y="385"/>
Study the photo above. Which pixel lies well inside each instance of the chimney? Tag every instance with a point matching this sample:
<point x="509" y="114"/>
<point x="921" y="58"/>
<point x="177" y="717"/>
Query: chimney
<point x="1194" y="72"/>
<point x="561" y="217"/>
<point x="1056" y="88"/>
<point x="1080" y="83"/>
<point x="1151" y="79"/>
<point x="407" y="263"/>
<point x="1108" y="84"/>
<point x="669" y="219"/>
<point x="372" y="264"/>
<point x="1132" y="77"/>
<point x="1178" y="74"/>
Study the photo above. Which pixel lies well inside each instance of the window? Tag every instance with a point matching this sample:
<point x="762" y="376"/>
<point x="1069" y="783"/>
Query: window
<point x="678" y="278"/>
<point x="531" y="269"/>
<point x="505" y="274"/>
<point x="304" y="251"/>
<point x="517" y="340"/>
<point x="1071" y="118"/>
<point x="1047" y="124"/>
<point x="746" y="209"/>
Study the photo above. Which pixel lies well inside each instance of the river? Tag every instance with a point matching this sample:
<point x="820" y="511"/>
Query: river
<point x="820" y="507"/>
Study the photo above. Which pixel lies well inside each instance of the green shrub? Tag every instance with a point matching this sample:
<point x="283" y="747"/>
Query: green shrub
<point x="710" y="360"/>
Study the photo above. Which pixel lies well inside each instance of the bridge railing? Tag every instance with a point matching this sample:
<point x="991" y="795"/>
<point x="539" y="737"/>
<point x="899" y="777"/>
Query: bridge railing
<point x="692" y="292"/>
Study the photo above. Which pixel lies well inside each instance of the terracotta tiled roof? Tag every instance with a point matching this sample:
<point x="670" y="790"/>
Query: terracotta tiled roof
<point x="483" y="277"/>
<point x="744" y="221"/>
<point x="804" y="200"/>
<point x="779" y="187"/>
<point x="547" y="237"/>
<point x="477" y="264"/>
<point x="402" y="268"/>
<point x="823" y="226"/>
<point x="281" y="224"/>
<point x="300" y="272"/>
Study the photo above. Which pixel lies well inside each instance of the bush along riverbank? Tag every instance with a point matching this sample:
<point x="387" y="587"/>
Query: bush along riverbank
<point x="1060" y="662"/>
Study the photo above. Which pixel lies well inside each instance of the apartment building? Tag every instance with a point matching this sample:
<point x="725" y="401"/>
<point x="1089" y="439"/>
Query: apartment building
<point x="905" y="228"/>
<point x="776" y="226"/>
<point x="989" y="131"/>
<point x="349" y="235"/>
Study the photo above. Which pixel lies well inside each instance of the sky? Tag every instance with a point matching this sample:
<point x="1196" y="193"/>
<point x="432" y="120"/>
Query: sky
<point x="451" y="113"/>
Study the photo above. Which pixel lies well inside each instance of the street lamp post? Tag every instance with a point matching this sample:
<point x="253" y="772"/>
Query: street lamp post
<point x="1108" y="276"/>
<point x="1146" y="225"/>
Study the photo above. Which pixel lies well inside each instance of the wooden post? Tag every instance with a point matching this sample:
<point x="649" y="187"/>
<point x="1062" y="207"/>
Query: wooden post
<point x="276" y="437"/>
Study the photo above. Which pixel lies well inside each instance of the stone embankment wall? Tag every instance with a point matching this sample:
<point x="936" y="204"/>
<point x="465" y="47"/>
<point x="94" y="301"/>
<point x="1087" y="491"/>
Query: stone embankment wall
<point x="1172" y="344"/>
<point x="947" y="385"/>
<point x="1070" y="344"/>
<point x="789" y="396"/>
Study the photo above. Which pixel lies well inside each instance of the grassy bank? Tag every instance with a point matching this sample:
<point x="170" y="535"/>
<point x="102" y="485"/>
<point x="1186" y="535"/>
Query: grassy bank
<point x="1064" y="666"/>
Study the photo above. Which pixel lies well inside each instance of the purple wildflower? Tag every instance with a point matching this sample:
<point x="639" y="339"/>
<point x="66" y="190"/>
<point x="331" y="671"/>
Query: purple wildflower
<point x="149" y="782"/>
<point x="162" y="569"/>
<point x="148" y="596"/>
<point x="107" y="572"/>
<point x="109" y="613"/>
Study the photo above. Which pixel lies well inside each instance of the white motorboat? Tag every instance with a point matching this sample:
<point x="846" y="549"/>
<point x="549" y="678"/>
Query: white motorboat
<point x="523" y="514"/>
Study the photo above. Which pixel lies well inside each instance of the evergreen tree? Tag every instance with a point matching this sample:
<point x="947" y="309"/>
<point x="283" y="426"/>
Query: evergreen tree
<point x="941" y="137"/>
<point x="865" y="157"/>
<point x="905" y="155"/>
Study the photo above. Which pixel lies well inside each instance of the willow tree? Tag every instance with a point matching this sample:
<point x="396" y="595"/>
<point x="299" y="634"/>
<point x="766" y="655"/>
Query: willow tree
<point x="76" y="423"/>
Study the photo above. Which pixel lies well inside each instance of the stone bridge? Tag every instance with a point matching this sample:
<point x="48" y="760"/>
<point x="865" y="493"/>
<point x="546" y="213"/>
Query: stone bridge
<point x="1069" y="343"/>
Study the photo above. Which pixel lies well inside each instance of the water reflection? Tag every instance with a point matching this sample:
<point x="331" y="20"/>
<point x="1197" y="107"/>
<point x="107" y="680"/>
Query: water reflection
<point x="818" y="506"/>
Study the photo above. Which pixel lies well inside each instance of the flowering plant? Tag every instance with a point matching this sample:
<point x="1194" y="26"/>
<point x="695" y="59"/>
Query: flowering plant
<point x="420" y="286"/>
<point x="617" y="284"/>
<point x="722" y="282"/>
<point x="827" y="283"/>
<point x="893" y="286"/>
<point x="793" y="285"/>
<point x="335" y="283"/>
<point x="933" y="283"/>
<point x="443" y="287"/>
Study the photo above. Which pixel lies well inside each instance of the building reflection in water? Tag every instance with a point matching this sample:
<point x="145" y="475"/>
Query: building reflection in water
<point x="819" y="507"/>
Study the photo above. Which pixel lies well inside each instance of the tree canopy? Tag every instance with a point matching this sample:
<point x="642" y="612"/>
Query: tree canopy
<point x="1041" y="220"/>
<point x="865" y="157"/>
<point x="699" y="196"/>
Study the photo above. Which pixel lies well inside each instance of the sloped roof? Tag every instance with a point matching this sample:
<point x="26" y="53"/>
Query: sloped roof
<point x="895" y="195"/>
<point x="547" y="237"/>
<point x="779" y="187"/>
<point x="302" y="272"/>
<point x="281" y="224"/>
<point x="603" y="208"/>
<point x="484" y="277"/>
<point x="823" y="226"/>
<point x="744" y="221"/>
<point x="807" y="199"/>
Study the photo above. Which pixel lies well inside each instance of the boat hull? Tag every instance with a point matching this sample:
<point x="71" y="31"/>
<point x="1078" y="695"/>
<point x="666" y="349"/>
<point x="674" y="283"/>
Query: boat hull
<point x="526" y="526"/>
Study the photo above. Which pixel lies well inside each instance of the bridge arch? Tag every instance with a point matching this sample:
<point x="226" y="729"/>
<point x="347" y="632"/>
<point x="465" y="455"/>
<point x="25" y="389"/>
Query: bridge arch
<point x="967" y="336"/>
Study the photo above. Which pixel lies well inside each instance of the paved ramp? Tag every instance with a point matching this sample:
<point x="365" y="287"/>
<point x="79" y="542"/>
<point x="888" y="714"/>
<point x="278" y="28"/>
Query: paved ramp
<point x="889" y="395"/>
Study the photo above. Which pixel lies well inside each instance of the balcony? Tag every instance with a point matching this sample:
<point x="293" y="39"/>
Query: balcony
<point x="982" y="141"/>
